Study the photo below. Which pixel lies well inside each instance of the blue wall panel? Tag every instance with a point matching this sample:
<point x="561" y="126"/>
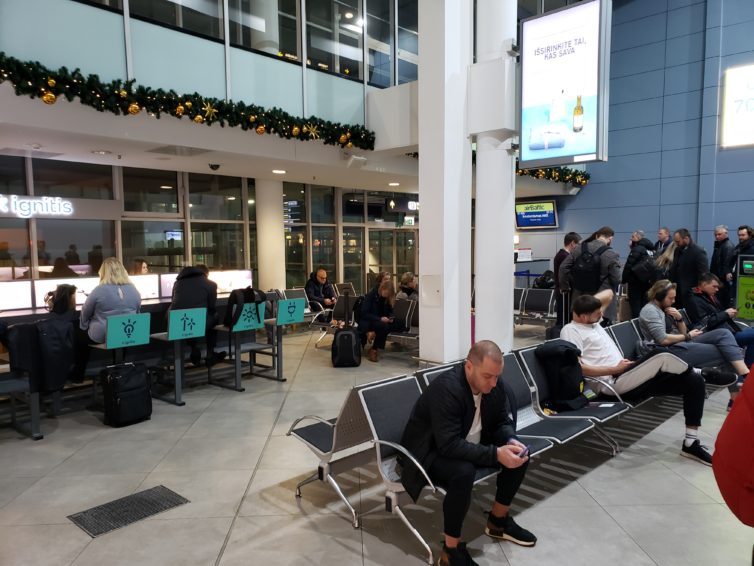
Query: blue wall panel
<point x="641" y="32"/>
<point x="683" y="106"/>
<point x="684" y="49"/>
<point x="628" y="10"/>
<point x="683" y="78"/>
<point x="679" y="190"/>
<point x="636" y="114"/>
<point x="635" y="140"/>
<point x="637" y="87"/>
<point x="680" y="135"/>
<point x="686" y="20"/>
<point x="637" y="60"/>
<point x="681" y="162"/>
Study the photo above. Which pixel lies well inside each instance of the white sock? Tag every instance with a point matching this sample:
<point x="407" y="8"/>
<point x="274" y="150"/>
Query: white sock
<point x="697" y="371"/>
<point x="690" y="437"/>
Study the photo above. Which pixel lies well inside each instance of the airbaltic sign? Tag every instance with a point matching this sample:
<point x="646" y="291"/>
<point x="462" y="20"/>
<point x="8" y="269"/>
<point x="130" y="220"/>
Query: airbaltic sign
<point x="26" y="207"/>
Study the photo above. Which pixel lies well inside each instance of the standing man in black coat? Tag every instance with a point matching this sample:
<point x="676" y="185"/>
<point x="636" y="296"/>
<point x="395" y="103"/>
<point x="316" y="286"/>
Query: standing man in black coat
<point x="193" y="289"/>
<point x="459" y="424"/>
<point x="722" y="258"/>
<point x="570" y="242"/>
<point x="689" y="265"/>
<point x="663" y="240"/>
<point x="637" y="287"/>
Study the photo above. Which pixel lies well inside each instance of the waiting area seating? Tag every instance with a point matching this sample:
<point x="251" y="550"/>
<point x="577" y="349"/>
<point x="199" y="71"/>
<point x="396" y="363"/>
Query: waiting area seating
<point x="533" y="305"/>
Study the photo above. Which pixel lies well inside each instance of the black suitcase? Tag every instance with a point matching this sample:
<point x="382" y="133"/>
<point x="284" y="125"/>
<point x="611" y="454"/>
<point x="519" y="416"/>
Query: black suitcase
<point x="127" y="393"/>
<point x="346" y="344"/>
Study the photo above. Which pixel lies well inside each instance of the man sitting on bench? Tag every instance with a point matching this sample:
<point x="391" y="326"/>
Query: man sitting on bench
<point x="458" y="425"/>
<point x="657" y="373"/>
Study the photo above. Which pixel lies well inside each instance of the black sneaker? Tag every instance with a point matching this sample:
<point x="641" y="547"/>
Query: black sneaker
<point x="697" y="452"/>
<point x="196" y="357"/>
<point x="714" y="376"/>
<point x="455" y="556"/>
<point x="506" y="528"/>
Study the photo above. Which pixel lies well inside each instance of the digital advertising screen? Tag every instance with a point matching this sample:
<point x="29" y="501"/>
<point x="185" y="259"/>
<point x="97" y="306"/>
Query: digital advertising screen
<point x="564" y="85"/>
<point x="534" y="215"/>
<point x="738" y="107"/>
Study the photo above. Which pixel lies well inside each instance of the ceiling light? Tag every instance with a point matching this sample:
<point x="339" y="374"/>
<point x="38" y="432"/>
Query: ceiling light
<point x="230" y="198"/>
<point x="251" y="201"/>
<point x="166" y="186"/>
<point x="393" y="184"/>
<point x="348" y="15"/>
<point x="279" y="171"/>
<point x="101" y="152"/>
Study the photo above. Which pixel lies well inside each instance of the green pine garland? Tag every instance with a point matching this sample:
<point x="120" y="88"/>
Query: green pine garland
<point x="124" y="97"/>
<point x="575" y="177"/>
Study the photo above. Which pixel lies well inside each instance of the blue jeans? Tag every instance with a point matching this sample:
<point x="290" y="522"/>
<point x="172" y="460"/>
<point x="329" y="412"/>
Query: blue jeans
<point x="745" y="339"/>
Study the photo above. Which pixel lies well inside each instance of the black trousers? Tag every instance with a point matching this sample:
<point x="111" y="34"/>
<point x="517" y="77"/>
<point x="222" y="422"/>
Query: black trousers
<point x="457" y="477"/>
<point x="637" y="298"/>
<point x="688" y="384"/>
<point x="381" y="330"/>
<point x="81" y="342"/>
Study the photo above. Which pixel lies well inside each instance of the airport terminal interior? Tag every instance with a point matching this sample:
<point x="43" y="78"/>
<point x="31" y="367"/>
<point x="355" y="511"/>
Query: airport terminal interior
<point x="269" y="139"/>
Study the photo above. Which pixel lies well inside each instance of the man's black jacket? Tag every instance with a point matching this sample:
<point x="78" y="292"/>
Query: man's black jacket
<point x="193" y="290"/>
<point x="441" y="420"/>
<point x="689" y="265"/>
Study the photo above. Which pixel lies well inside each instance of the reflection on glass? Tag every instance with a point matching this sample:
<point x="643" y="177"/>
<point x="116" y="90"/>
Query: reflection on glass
<point x="215" y="197"/>
<point x="334" y="33"/>
<point x="353" y="207"/>
<point x="295" y="257"/>
<point x="252" y="201"/>
<point x="160" y="244"/>
<point x="408" y="41"/>
<point x="380" y="42"/>
<point x="253" y="261"/>
<point x="218" y="246"/>
<point x="65" y="252"/>
<point x="12" y="175"/>
<point x="204" y="17"/>
<point x="72" y="180"/>
<point x="323" y="204"/>
<point x="353" y="258"/>
<point x="405" y="251"/>
<point x="14" y="249"/>
<point x="150" y="190"/>
<point x="323" y="250"/>
<point x="268" y="26"/>
<point x="380" y="253"/>
<point x="294" y="203"/>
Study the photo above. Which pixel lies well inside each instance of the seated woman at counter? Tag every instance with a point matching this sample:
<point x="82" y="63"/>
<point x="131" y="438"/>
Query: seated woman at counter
<point x="140" y="267"/>
<point x="114" y="295"/>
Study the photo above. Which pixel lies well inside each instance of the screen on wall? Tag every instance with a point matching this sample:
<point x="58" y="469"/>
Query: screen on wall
<point x="738" y="107"/>
<point x="565" y="59"/>
<point x="535" y="215"/>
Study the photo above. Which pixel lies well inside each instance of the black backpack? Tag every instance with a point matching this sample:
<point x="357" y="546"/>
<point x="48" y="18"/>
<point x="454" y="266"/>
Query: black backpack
<point x="238" y="298"/>
<point x="644" y="269"/>
<point x="545" y="281"/>
<point x="586" y="270"/>
<point x="565" y="380"/>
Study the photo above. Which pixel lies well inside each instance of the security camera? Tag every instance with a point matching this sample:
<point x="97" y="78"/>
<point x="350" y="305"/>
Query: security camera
<point x="214" y="166"/>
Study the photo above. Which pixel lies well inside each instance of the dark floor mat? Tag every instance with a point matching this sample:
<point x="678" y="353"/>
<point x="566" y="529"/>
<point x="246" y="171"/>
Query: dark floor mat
<point x="126" y="510"/>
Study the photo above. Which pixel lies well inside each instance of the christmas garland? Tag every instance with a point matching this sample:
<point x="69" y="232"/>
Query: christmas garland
<point x="575" y="177"/>
<point x="125" y="98"/>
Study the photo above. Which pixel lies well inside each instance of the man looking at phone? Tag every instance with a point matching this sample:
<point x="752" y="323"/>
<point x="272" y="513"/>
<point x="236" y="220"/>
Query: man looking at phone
<point x="657" y="373"/>
<point x="461" y="424"/>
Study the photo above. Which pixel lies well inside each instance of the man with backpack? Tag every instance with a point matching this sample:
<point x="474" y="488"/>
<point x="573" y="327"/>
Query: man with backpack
<point x="591" y="267"/>
<point x="639" y="274"/>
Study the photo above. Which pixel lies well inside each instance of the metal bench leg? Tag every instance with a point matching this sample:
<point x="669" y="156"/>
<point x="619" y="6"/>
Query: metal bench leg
<point x="302" y="483"/>
<point x="321" y="336"/>
<point x="609" y="440"/>
<point x="398" y="511"/>
<point x="34" y="408"/>
<point x="336" y="487"/>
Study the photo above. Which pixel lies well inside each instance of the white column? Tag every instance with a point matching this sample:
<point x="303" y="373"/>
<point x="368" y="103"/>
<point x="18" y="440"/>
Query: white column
<point x="495" y="192"/>
<point x="270" y="234"/>
<point x="444" y="179"/>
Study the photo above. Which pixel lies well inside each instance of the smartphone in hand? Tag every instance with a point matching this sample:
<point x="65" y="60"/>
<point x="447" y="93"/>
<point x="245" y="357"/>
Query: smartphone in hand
<point x="524" y="453"/>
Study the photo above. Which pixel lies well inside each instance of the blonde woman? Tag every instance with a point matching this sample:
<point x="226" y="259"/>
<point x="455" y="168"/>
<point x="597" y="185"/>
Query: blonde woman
<point x="665" y="261"/>
<point x="377" y="317"/>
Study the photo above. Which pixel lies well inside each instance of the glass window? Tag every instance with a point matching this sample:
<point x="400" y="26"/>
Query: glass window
<point x="268" y="26"/>
<point x="253" y="261"/>
<point x="353" y="257"/>
<point x="150" y="190"/>
<point x="294" y="203"/>
<point x="380" y="42"/>
<point x="204" y="17"/>
<point x="323" y="249"/>
<point x="160" y="244"/>
<point x="386" y="207"/>
<point x="214" y="197"/>
<point x="408" y="41"/>
<point x="72" y="180"/>
<point x="353" y="207"/>
<point x="405" y="251"/>
<point x="295" y="257"/>
<point x="334" y="33"/>
<point x="322" y="204"/>
<point x="114" y="4"/>
<point x="218" y="246"/>
<point x="14" y="249"/>
<point x="71" y="248"/>
<point x="12" y="175"/>
<point x="380" y="253"/>
<point x="555" y="4"/>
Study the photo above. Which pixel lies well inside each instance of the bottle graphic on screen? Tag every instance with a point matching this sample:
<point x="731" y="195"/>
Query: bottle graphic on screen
<point x="578" y="115"/>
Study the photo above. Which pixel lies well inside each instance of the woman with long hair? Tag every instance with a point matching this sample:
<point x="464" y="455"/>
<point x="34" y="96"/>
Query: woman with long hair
<point x="377" y="317"/>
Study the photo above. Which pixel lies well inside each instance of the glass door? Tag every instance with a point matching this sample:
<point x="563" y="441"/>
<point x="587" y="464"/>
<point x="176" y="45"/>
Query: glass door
<point x="381" y="254"/>
<point x="353" y="258"/>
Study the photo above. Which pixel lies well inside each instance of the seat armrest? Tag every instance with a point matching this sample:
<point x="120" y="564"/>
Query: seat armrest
<point x="605" y="384"/>
<point x="311" y="418"/>
<point x="408" y="455"/>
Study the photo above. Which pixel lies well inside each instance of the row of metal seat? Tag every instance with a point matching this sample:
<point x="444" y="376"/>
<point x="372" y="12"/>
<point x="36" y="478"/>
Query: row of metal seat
<point x="533" y="305"/>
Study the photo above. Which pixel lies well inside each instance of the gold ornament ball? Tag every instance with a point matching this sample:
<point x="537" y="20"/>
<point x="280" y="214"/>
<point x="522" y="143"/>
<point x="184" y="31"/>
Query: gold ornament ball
<point x="261" y="129"/>
<point x="342" y="139"/>
<point x="179" y="110"/>
<point x="252" y="118"/>
<point x="349" y="145"/>
<point x="188" y="104"/>
<point x="122" y="93"/>
<point x="51" y="82"/>
<point x="49" y="98"/>
<point x="134" y="108"/>
<point x="295" y="131"/>
<point x="198" y="119"/>
<point x="348" y="135"/>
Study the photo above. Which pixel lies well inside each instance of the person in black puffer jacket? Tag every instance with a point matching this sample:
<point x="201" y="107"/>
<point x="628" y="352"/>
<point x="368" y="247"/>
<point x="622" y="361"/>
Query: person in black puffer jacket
<point x="377" y="317"/>
<point x="637" y="286"/>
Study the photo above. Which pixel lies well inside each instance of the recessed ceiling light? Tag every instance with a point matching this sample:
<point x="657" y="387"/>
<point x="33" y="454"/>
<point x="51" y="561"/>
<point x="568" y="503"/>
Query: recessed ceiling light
<point x="251" y="201"/>
<point x="393" y="184"/>
<point x="279" y="171"/>
<point x="230" y="198"/>
<point x="101" y="152"/>
<point x="348" y="15"/>
<point x="166" y="186"/>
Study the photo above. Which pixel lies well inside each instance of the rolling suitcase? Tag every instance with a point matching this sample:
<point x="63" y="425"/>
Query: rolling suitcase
<point x="127" y="393"/>
<point x="346" y="344"/>
<point x="553" y="331"/>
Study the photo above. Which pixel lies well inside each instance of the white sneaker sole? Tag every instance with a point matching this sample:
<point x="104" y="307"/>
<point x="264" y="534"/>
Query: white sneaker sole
<point x="510" y="538"/>
<point x="697" y="458"/>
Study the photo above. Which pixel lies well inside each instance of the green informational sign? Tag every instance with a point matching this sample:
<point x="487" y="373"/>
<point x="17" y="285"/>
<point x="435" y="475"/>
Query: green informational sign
<point x="745" y="297"/>
<point x="186" y="323"/>
<point x="290" y="311"/>
<point x="252" y="317"/>
<point x="127" y="330"/>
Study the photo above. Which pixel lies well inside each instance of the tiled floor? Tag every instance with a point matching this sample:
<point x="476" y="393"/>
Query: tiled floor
<point x="228" y="454"/>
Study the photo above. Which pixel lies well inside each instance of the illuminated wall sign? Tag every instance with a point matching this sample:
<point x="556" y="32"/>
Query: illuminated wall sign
<point x="738" y="107"/>
<point x="564" y="84"/>
<point x="26" y="207"/>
